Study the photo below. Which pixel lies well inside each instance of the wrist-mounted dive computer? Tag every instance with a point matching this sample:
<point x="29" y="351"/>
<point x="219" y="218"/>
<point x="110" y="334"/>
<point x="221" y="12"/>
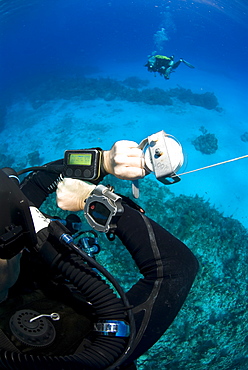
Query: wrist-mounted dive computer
<point x="83" y="164"/>
<point x="102" y="209"/>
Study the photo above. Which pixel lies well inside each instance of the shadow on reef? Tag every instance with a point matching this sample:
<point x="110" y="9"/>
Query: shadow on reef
<point x="109" y="89"/>
<point x="244" y="137"/>
<point x="31" y="159"/>
<point x="210" y="331"/>
<point x="206" y="143"/>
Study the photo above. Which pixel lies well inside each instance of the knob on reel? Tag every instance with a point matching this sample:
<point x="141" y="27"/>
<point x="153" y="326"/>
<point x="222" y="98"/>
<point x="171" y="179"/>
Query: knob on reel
<point x="164" y="156"/>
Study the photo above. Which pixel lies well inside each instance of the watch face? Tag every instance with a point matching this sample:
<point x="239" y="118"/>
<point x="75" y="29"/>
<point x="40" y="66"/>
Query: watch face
<point x="99" y="212"/>
<point x="80" y="159"/>
<point x="82" y="164"/>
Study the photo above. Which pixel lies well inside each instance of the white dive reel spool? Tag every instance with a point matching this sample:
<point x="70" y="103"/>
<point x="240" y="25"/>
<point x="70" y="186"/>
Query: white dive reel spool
<point x="164" y="156"/>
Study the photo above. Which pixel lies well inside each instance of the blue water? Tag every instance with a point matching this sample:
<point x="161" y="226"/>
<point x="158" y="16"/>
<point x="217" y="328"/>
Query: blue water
<point x="52" y="35"/>
<point x="44" y="39"/>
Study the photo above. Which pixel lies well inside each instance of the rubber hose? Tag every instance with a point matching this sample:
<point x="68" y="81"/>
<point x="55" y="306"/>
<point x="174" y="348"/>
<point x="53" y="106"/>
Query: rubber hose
<point x="104" y="350"/>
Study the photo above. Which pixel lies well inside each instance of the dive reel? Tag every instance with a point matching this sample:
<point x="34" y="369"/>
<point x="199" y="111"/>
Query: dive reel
<point x="163" y="155"/>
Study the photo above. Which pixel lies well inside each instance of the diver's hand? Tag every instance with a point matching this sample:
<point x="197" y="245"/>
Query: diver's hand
<point x="124" y="160"/>
<point x="72" y="193"/>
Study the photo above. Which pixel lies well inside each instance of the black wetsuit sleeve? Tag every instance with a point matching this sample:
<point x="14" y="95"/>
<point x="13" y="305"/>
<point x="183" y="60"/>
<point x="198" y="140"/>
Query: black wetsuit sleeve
<point x="168" y="268"/>
<point x="38" y="185"/>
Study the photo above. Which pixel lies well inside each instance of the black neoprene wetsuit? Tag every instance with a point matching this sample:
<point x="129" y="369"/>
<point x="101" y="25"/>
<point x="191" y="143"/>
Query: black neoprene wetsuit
<point x="167" y="265"/>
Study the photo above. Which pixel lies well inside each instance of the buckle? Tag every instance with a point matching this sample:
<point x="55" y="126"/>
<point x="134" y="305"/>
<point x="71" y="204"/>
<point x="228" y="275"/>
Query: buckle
<point x="114" y="328"/>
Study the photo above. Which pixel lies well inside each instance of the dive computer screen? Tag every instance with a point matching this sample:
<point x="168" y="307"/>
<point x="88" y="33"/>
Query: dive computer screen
<point x="82" y="164"/>
<point x="99" y="212"/>
<point x="81" y="159"/>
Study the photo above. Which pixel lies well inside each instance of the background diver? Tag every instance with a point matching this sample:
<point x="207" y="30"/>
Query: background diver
<point x="164" y="65"/>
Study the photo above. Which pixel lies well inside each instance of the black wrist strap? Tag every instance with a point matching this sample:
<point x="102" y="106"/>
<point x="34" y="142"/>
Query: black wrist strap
<point x="103" y="173"/>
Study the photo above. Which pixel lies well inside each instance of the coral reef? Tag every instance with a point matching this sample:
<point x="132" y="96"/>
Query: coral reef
<point x="135" y="82"/>
<point x="207" y="100"/>
<point x="34" y="158"/>
<point x="155" y="96"/>
<point x="244" y="137"/>
<point x="206" y="143"/>
<point x="110" y="89"/>
<point x="5" y="161"/>
<point x="210" y="331"/>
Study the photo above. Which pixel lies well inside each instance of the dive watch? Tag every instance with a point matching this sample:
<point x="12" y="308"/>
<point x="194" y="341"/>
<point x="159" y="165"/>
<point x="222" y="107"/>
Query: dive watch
<point x="103" y="208"/>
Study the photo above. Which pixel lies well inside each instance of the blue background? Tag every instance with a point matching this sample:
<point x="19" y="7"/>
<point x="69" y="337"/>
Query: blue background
<point x="41" y="37"/>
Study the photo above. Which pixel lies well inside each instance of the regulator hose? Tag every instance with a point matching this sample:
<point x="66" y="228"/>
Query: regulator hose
<point x="105" y="351"/>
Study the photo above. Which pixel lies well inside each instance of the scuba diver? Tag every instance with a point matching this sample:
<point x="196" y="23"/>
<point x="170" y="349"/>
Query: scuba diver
<point x="56" y="311"/>
<point x="164" y="65"/>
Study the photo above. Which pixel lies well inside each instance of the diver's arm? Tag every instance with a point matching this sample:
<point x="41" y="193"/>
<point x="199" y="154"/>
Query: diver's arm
<point x="124" y="160"/>
<point x="38" y="185"/>
<point x="169" y="269"/>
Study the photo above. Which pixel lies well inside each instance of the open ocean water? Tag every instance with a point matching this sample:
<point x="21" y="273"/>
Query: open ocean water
<point x="72" y="75"/>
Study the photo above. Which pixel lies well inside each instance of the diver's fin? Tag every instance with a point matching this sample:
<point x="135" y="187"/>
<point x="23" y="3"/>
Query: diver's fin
<point x="187" y="64"/>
